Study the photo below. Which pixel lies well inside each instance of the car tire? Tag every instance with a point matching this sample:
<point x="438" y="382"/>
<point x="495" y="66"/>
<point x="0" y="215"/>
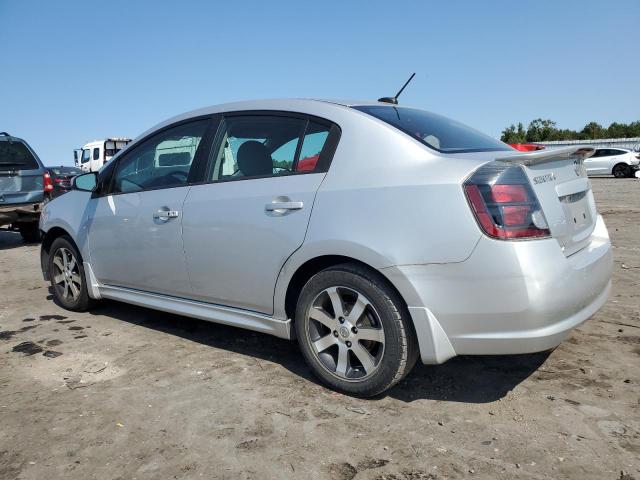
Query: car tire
<point x="29" y="232"/>
<point x="621" y="170"/>
<point x="66" y="274"/>
<point x="370" y="323"/>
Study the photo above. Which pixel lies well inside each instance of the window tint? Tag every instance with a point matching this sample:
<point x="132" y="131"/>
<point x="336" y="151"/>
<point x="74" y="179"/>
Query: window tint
<point x="435" y="131"/>
<point x="605" y="152"/>
<point x="96" y="153"/>
<point x="86" y="156"/>
<point x="161" y="161"/>
<point x="257" y="146"/>
<point x="314" y="139"/>
<point x="17" y="156"/>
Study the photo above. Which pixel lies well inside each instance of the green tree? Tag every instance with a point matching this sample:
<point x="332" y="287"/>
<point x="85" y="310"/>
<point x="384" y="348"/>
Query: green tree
<point x="540" y="130"/>
<point x="616" y="130"/>
<point x="593" y="130"/>
<point x="511" y="134"/>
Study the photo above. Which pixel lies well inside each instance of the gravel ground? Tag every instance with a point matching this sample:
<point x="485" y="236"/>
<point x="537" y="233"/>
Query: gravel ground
<point x="125" y="392"/>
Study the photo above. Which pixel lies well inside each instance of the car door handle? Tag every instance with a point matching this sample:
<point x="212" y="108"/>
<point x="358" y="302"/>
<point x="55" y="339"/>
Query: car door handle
<point x="281" y="206"/>
<point x="166" y="214"/>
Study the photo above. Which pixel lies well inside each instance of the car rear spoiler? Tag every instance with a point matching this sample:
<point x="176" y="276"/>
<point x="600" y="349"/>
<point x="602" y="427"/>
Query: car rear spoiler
<point x="548" y="155"/>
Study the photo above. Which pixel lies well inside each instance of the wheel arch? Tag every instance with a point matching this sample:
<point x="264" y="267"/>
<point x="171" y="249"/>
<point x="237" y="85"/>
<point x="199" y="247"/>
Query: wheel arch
<point x="313" y="265"/>
<point x="48" y="238"/>
<point x="624" y="165"/>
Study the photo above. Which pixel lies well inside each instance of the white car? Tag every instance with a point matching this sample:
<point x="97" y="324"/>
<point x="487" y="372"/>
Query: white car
<point x="619" y="162"/>
<point x="372" y="233"/>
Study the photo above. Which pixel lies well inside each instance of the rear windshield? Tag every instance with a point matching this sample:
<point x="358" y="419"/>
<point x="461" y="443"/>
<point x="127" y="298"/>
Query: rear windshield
<point x="66" y="170"/>
<point x="435" y="131"/>
<point x="17" y="156"/>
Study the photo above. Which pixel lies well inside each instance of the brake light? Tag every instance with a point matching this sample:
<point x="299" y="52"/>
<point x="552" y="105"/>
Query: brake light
<point x="48" y="184"/>
<point x="504" y="203"/>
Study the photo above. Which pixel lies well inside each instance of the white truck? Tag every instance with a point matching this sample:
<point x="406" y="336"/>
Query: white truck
<point x="93" y="155"/>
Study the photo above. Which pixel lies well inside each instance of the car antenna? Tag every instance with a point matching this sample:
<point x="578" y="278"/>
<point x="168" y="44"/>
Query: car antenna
<point x="394" y="100"/>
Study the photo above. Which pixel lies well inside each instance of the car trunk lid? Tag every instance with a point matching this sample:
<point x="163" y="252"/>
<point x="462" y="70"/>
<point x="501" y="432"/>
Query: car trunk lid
<point x="560" y="182"/>
<point x="19" y="186"/>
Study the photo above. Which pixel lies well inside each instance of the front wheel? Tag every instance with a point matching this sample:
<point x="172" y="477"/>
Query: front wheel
<point x="354" y="330"/>
<point x="621" y="170"/>
<point x="66" y="274"/>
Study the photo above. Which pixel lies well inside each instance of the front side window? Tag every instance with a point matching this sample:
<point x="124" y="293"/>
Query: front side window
<point x="264" y="146"/>
<point x="96" y="153"/>
<point x="86" y="155"/>
<point x="162" y="161"/>
<point x="435" y="131"/>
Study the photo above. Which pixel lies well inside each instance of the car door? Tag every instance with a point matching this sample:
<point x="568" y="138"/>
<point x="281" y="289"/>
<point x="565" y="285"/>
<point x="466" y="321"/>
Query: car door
<point x="135" y="234"/>
<point x="241" y="226"/>
<point x="615" y="157"/>
<point x="598" y="163"/>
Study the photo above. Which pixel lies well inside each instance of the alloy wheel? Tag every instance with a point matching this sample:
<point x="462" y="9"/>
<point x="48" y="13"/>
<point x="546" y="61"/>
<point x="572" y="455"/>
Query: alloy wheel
<point x="66" y="275"/>
<point x="345" y="333"/>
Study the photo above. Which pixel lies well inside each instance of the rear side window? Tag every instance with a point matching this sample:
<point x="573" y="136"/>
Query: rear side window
<point x="435" y="131"/>
<point x="16" y="155"/>
<point x="314" y="139"/>
<point x="264" y="146"/>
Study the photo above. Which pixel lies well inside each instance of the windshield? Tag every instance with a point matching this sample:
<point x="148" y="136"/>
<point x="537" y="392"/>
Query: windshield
<point x="17" y="155"/>
<point x="435" y="131"/>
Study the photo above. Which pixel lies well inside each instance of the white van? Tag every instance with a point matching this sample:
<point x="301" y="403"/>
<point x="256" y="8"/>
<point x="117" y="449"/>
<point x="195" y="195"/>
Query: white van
<point x="94" y="154"/>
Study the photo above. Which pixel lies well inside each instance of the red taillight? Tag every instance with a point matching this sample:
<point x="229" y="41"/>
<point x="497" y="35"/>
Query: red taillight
<point x="508" y="193"/>
<point x="504" y="203"/>
<point x="48" y="184"/>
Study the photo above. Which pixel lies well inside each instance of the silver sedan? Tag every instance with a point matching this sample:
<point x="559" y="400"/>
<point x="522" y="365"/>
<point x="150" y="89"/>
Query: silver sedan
<point x="374" y="234"/>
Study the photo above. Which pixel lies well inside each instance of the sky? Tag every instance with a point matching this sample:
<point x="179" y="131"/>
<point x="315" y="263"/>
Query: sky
<point x="77" y="70"/>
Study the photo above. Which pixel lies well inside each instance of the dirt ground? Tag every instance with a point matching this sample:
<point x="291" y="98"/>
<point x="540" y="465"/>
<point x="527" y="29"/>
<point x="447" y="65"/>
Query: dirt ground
<point x="128" y="393"/>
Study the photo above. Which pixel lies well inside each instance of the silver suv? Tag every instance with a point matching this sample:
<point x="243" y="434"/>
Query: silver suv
<point x="374" y="234"/>
<point x="22" y="187"/>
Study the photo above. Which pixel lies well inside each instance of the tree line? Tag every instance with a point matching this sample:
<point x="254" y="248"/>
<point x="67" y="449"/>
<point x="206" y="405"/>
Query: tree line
<point x="542" y="130"/>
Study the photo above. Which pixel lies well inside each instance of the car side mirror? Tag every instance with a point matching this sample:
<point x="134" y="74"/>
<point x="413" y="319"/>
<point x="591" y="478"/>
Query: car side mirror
<point x="86" y="182"/>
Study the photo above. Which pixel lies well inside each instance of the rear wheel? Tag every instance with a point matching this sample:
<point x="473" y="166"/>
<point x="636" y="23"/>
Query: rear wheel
<point x="354" y="330"/>
<point x="30" y="232"/>
<point x="66" y="274"/>
<point x="621" y="170"/>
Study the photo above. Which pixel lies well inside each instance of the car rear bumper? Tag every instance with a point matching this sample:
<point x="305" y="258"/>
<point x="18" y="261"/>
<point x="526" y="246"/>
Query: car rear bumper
<point x="21" y="212"/>
<point x="507" y="297"/>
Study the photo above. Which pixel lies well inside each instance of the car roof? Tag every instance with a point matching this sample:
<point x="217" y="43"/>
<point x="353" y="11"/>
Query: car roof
<point x="298" y="105"/>
<point x="10" y="138"/>
<point x="613" y="148"/>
